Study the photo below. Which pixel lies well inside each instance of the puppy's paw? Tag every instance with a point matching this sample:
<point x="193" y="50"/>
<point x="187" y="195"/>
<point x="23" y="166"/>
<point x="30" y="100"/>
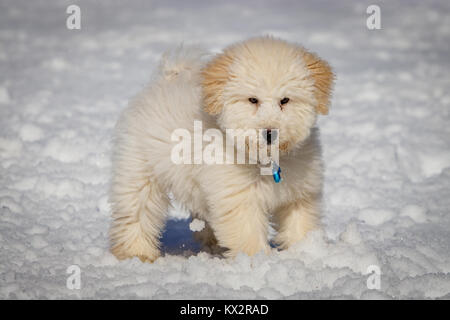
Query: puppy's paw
<point x="144" y="252"/>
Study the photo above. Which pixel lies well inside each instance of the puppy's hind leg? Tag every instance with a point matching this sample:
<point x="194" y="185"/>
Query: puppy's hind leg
<point x="139" y="208"/>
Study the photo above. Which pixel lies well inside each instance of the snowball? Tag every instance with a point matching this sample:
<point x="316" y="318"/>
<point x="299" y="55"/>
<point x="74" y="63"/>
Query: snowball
<point x="197" y="225"/>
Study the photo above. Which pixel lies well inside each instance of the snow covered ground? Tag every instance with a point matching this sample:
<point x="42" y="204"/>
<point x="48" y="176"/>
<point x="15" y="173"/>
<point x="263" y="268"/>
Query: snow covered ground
<point x="386" y="147"/>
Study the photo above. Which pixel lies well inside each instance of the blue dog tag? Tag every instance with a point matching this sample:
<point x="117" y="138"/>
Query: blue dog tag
<point x="276" y="172"/>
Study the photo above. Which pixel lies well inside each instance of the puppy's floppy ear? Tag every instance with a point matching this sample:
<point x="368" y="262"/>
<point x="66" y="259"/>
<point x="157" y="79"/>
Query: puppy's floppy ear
<point x="214" y="77"/>
<point x="323" y="80"/>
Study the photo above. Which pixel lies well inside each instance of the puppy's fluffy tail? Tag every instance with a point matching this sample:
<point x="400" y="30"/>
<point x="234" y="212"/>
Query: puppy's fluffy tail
<point x="183" y="60"/>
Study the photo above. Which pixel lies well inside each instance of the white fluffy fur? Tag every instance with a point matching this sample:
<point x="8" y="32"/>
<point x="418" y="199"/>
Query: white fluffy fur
<point x="235" y="200"/>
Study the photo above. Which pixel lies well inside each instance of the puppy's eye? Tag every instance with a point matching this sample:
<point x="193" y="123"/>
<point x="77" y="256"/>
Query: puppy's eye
<point x="253" y="100"/>
<point x="284" y="101"/>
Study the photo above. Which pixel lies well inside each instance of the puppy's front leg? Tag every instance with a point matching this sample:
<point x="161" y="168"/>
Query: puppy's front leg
<point x="239" y="223"/>
<point x="294" y="220"/>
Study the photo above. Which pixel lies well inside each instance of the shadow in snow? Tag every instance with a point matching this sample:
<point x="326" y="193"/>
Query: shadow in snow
<point x="178" y="239"/>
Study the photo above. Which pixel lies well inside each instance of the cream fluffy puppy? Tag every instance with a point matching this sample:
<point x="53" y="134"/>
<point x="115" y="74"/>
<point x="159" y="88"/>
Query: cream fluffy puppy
<point x="261" y="83"/>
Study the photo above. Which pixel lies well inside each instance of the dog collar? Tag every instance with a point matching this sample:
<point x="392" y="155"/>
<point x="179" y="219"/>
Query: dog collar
<point x="276" y="171"/>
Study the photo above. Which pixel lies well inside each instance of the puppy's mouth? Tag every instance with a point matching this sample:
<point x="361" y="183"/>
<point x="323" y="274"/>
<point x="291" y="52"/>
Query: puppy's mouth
<point x="270" y="135"/>
<point x="267" y="145"/>
<point x="272" y="144"/>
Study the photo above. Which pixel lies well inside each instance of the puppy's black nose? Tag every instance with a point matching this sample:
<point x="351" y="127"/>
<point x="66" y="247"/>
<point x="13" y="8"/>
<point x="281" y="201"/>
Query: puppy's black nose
<point x="270" y="135"/>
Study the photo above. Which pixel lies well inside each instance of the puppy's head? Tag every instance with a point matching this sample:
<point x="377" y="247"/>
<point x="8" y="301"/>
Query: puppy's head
<point x="266" y="83"/>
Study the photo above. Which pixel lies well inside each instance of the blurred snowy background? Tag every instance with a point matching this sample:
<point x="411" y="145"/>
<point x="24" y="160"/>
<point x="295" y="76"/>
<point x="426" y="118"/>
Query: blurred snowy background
<point x="386" y="146"/>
